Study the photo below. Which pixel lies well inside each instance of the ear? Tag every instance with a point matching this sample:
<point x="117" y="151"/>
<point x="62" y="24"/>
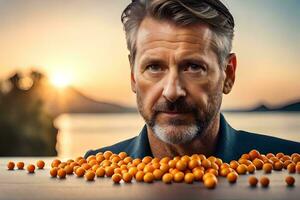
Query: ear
<point x="229" y="73"/>
<point x="132" y="78"/>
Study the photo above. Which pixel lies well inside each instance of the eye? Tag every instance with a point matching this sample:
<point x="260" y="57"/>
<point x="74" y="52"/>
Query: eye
<point x="192" y="67"/>
<point x="154" y="68"/>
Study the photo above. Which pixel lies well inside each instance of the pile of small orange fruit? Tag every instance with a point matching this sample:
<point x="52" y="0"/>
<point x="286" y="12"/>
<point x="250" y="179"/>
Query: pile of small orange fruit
<point x="188" y="169"/>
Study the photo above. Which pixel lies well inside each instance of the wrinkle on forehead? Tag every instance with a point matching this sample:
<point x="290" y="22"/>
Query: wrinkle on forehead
<point x="153" y="34"/>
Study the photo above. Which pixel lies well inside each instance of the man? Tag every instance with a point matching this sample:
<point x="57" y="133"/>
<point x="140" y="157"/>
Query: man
<point x="181" y="65"/>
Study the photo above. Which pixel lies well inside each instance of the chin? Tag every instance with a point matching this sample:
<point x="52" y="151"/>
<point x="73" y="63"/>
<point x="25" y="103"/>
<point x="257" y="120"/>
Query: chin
<point x="173" y="134"/>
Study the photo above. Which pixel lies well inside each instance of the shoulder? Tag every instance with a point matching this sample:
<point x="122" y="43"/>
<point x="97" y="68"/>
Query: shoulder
<point x="265" y="144"/>
<point x="116" y="148"/>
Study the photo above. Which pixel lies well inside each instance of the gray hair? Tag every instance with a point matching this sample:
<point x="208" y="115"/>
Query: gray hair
<point x="182" y="13"/>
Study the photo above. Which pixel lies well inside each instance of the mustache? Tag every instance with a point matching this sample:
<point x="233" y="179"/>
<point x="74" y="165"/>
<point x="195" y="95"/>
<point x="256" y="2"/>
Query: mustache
<point x="180" y="106"/>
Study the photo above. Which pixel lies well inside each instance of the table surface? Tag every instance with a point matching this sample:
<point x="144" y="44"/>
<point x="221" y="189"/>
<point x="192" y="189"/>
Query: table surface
<point x="18" y="184"/>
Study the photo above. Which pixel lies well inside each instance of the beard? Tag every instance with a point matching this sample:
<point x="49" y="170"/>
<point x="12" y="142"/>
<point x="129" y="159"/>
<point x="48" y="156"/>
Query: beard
<point x="181" y="130"/>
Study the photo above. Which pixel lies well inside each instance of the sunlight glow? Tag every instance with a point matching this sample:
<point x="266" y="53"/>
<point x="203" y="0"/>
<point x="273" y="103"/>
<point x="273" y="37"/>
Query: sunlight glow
<point x="60" y="80"/>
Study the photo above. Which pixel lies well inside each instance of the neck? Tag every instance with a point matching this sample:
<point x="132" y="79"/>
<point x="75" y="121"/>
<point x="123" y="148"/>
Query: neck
<point x="204" y="144"/>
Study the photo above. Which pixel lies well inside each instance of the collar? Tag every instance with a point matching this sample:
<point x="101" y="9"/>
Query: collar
<point x="141" y="146"/>
<point x="226" y="141"/>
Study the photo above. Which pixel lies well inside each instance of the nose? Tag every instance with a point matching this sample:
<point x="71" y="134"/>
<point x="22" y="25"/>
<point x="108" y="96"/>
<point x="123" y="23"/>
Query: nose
<point x="173" y="88"/>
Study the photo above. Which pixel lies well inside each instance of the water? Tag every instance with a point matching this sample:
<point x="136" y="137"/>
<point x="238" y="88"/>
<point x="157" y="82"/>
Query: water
<point x="80" y="132"/>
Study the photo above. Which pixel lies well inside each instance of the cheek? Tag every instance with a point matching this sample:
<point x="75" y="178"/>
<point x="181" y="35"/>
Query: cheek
<point x="200" y="93"/>
<point x="149" y="93"/>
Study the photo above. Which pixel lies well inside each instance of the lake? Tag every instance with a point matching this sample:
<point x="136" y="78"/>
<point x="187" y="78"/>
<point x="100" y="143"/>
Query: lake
<point x="80" y="132"/>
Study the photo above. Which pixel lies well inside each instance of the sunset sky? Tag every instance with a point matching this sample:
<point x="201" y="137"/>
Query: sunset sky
<point x="84" y="42"/>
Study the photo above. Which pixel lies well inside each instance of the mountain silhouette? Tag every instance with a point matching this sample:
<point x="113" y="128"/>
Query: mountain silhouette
<point x="288" y="107"/>
<point x="71" y="100"/>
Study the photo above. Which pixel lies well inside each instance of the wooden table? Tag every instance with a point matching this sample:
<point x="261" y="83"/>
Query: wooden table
<point x="18" y="184"/>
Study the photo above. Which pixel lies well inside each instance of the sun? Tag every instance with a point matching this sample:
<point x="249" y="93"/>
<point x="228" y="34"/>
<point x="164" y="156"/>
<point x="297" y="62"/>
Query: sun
<point x="60" y="80"/>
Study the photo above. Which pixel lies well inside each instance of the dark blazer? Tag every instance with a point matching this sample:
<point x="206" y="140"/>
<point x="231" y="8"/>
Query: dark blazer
<point x="230" y="146"/>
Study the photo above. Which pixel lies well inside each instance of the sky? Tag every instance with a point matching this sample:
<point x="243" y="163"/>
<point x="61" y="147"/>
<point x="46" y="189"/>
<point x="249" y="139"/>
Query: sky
<point x="83" y="41"/>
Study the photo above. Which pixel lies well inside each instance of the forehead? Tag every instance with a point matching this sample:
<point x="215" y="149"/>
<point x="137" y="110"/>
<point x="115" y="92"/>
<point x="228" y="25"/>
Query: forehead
<point x="156" y="35"/>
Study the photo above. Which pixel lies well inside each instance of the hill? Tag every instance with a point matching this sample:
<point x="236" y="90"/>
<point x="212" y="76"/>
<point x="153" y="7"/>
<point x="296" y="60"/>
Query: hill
<point x="71" y="100"/>
<point x="289" y="107"/>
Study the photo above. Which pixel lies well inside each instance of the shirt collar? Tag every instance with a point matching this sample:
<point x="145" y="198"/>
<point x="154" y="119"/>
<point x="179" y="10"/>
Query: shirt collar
<point x="226" y="141"/>
<point x="141" y="146"/>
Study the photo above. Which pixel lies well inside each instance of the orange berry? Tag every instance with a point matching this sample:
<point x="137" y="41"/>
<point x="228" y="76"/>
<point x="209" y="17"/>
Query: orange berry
<point x="253" y="181"/>
<point x="116" y="178"/>
<point x="279" y="155"/>
<point x="20" y="165"/>
<point x="133" y="171"/>
<point x="165" y="160"/>
<point x="245" y="156"/>
<point x="210" y="182"/>
<point x="225" y="171"/>
<point x="232" y="177"/>
<point x="251" y="168"/>
<point x="258" y="163"/>
<point x="264" y="181"/>
<point x="122" y="155"/>
<point x="89" y="175"/>
<point x="189" y="178"/>
<point x="254" y="154"/>
<point x="267" y="167"/>
<point x="278" y="165"/>
<point x="172" y="163"/>
<point x="234" y="164"/>
<point x="40" y="164"/>
<point x="181" y="165"/>
<point x="270" y="155"/>
<point x="61" y="173"/>
<point x="148" y="177"/>
<point x="30" y="168"/>
<point x="10" y="165"/>
<point x="127" y="177"/>
<point x="193" y="164"/>
<point x="158" y="174"/>
<point x="91" y="157"/>
<point x="100" y="172"/>
<point x="109" y="171"/>
<point x="69" y="169"/>
<point x="241" y="169"/>
<point x="107" y="154"/>
<point x="206" y="164"/>
<point x="85" y="166"/>
<point x="139" y="176"/>
<point x="208" y="175"/>
<point x="127" y="160"/>
<point x="53" y="172"/>
<point x="147" y="159"/>
<point x="198" y="174"/>
<point x="80" y="172"/>
<point x="179" y="176"/>
<point x="291" y="168"/>
<point x="141" y="166"/>
<point x="55" y="163"/>
<point x="290" y="180"/>
<point x="164" y="167"/>
<point x="167" y="178"/>
<point x="148" y="168"/>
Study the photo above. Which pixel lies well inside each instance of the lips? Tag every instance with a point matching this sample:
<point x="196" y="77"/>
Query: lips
<point x="174" y="114"/>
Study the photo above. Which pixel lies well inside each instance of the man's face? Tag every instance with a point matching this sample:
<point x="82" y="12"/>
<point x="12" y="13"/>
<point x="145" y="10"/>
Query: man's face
<point x="177" y="79"/>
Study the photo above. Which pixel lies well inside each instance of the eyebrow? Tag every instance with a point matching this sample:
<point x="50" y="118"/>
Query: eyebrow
<point x="194" y="58"/>
<point x="153" y="59"/>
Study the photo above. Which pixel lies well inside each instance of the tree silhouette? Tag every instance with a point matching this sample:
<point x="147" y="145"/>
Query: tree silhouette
<point x="26" y="128"/>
